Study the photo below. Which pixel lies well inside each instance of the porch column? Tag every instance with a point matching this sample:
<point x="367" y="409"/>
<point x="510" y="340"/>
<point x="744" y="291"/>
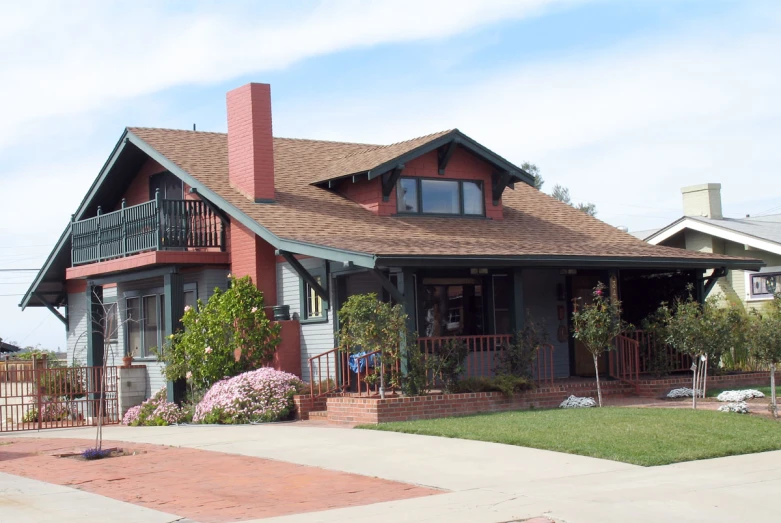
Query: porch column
<point x="95" y="315"/>
<point x="699" y="285"/>
<point x="517" y="317"/>
<point x="174" y="310"/>
<point x="406" y="282"/>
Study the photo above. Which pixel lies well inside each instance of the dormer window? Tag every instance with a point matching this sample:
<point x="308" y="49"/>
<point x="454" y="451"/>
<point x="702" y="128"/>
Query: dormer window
<point x="435" y="196"/>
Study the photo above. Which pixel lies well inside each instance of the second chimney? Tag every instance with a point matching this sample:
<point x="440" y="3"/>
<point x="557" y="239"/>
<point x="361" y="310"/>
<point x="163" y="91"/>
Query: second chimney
<point x="250" y="142"/>
<point x="702" y="200"/>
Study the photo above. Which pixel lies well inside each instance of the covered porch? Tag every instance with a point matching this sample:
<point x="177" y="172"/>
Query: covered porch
<point x="483" y="307"/>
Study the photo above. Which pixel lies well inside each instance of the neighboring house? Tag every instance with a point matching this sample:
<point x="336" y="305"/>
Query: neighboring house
<point x="704" y="229"/>
<point x="6" y="348"/>
<point x="440" y="224"/>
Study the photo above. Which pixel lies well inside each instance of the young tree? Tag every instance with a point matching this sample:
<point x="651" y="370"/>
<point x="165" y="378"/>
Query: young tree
<point x="704" y="332"/>
<point x="367" y="324"/>
<point x="597" y="324"/>
<point x="765" y="340"/>
<point x="561" y="193"/>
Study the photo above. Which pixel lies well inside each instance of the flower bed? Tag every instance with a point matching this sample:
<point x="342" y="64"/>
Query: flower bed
<point x="156" y="411"/>
<point x="252" y="397"/>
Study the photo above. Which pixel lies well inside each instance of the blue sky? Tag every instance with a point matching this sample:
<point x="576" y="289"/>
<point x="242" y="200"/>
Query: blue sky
<point x="624" y="102"/>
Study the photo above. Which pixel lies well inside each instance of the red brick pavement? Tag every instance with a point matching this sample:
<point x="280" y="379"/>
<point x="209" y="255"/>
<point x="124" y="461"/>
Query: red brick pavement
<point x="206" y="486"/>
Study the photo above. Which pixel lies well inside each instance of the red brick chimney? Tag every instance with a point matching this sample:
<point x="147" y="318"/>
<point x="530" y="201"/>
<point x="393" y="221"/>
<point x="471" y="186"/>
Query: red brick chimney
<point x="250" y="142"/>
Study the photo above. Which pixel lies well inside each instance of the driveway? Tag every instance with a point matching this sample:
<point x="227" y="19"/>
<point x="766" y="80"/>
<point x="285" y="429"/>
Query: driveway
<point x="488" y="482"/>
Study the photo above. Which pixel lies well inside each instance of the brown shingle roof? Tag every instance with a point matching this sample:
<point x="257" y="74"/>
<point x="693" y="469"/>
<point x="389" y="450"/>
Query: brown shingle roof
<point x="534" y="224"/>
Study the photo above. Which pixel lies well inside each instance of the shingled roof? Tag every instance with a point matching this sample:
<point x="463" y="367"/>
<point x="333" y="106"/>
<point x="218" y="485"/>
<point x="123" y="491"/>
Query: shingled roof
<point x="535" y="225"/>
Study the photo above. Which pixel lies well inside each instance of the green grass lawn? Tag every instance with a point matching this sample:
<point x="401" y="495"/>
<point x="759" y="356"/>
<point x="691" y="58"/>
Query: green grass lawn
<point x="642" y="436"/>
<point x="764" y="389"/>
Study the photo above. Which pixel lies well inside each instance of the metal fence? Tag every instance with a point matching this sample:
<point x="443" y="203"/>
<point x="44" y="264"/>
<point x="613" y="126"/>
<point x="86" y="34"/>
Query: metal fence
<point x="34" y="397"/>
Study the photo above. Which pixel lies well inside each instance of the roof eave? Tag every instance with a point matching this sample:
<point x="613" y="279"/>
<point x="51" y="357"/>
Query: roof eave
<point x="569" y="261"/>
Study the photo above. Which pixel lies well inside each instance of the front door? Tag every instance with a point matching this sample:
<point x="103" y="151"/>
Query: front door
<point x="582" y="290"/>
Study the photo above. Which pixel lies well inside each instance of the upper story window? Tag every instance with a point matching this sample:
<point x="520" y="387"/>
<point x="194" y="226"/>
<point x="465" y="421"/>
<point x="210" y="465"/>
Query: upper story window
<point x="437" y="196"/>
<point x="765" y="285"/>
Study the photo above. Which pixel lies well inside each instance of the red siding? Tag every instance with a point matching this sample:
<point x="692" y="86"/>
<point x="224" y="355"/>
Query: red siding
<point x="463" y="166"/>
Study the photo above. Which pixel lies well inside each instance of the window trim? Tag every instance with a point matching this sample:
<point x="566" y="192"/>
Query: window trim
<point x="303" y="314"/>
<point x="750" y="275"/>
<point x="159" y="294"/>
<point x="419" y="191"/>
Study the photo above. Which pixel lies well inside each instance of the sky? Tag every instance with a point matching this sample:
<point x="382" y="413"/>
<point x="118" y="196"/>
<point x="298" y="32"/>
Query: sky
<point x="623" y="102"/>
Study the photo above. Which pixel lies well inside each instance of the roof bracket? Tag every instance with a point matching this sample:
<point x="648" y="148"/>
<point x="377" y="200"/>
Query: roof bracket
<point x="389" y="180"/>
<point x="304" y="274"/>
<point x="500" y="183"/>
<point x="51" y="308"/>
<point x="444" y="154"/>
<point x="387" y="285"/>
<point x="711" y="280"/>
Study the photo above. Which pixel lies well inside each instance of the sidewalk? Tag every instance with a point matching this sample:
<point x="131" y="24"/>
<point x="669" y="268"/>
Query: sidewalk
<point x="491" y="482"/>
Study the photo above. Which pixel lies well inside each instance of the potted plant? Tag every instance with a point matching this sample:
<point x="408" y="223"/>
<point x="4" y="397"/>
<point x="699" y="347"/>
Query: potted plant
<point x="127" y="359"/>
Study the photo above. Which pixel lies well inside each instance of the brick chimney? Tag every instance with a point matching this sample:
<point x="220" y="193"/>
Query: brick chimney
<point x="250" y="142"/>
<point x="702" y="200"/>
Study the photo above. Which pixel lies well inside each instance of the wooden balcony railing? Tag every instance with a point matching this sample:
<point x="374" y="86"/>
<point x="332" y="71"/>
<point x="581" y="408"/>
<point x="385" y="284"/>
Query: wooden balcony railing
<point x="154" y="225"/>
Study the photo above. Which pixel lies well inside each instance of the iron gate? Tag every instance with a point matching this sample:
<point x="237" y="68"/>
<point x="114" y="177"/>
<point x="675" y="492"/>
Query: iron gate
<point x="34" y="396"/>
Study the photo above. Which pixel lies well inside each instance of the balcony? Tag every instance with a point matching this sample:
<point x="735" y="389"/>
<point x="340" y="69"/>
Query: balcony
<point x="156" y="225"/>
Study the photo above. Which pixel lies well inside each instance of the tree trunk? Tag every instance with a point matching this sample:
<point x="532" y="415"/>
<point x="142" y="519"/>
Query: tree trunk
<point x="694" y="382"/>
<point x="382" y="378"/>
<point x="773" y="390"/>
<point x="599" y="388"/>
<point x="705" y="377"/>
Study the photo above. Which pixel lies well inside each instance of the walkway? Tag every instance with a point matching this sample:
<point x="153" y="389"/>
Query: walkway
<point x="491" y="482"/>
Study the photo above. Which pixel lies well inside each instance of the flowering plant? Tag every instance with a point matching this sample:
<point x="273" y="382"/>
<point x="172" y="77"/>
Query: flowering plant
<point x="227" y="335"/>
<point x="157" y="410"/>
<point x="257" y="396"/>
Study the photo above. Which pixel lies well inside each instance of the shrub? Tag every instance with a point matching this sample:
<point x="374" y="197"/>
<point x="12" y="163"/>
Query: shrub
<point x="447" y="362"/>
<point x="518" y="356"/>
<point x="91" y="454"/>
<point x="506" y="384"/>
<point x="156" y="411"/>
<point x="228" y="335"/>
<point x="261" y="395"/>
<point x="51" y="412"/>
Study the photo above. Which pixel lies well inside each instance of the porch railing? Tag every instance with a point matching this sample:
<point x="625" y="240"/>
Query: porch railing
<point x="650" y="348"/>
<point x="327" y="373"/>
<point x="154" y="225"/>
<point x="624" y="362"/>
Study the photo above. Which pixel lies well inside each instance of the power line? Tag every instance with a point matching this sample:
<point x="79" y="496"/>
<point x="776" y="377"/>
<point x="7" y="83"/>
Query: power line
<point x="19" y="270"/>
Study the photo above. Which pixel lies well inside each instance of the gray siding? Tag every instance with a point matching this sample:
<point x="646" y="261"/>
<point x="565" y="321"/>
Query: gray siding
<point x="539" y="295"/>
<point x="316" y="338"/>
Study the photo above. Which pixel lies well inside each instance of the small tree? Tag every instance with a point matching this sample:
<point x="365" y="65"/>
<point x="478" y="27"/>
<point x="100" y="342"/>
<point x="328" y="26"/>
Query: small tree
<point x="597" y="324"/>
<point x="704" y="332"/>
<point x="226" y="336"/>
<point x="519" y="355"/>
<point x="368" y="324"/>
<point x="765" y="340"/>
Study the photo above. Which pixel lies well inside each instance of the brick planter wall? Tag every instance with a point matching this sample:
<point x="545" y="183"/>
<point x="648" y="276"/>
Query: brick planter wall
<point x="306" y="404"/>
<point x="653" y="388"/>
<point x="355" y="410"/>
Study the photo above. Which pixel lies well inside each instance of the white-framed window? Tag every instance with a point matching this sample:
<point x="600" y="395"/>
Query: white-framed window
<point x="763" y="285"/>
<point x="145" y="319"/>
<point x="314" y="309"/>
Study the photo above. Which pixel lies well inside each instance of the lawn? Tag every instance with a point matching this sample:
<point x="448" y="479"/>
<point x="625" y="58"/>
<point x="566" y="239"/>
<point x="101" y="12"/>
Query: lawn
<point x="764" y="389"/>
<point x="643" y="436"/>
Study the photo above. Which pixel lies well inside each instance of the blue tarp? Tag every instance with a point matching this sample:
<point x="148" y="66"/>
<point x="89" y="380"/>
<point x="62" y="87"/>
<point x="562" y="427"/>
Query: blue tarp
<point x="353" y="361"/>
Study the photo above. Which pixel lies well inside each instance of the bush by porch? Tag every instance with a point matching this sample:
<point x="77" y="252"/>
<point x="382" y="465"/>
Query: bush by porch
<point x="645" y="437"/>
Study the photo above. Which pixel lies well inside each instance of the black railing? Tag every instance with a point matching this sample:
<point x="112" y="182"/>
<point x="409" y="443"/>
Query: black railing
<point x="150" y="226"/>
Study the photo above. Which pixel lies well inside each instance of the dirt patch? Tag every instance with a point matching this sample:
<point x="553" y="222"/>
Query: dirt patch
<point x="205" y="486"/>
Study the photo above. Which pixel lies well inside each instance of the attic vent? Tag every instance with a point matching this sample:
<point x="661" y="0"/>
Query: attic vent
<point x="623" y="228"/>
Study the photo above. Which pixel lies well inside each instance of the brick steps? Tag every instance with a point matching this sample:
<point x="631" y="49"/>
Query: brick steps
<point x="321" y="415"/>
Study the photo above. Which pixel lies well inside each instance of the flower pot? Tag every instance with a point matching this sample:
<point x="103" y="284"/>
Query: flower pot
<point x="127" y="361"/>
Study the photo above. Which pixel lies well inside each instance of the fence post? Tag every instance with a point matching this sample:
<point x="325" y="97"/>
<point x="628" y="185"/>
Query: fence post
<point x="37" y="384"/>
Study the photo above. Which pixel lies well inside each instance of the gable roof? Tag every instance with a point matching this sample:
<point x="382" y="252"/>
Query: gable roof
<point x="761" y="232"/>
<point x="311" y="220"/>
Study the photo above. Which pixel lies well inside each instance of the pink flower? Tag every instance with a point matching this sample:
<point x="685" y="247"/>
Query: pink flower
<point x="254" y="310"/>
<point x="598" y="292"/>
<point x="208" y="350"/>
<point x="189" y="375"/>
<point x="187" y="308"/>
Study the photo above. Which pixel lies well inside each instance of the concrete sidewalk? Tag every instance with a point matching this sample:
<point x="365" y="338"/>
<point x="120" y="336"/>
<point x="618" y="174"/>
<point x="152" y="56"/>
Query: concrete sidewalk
<point x="491" y="482"/>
